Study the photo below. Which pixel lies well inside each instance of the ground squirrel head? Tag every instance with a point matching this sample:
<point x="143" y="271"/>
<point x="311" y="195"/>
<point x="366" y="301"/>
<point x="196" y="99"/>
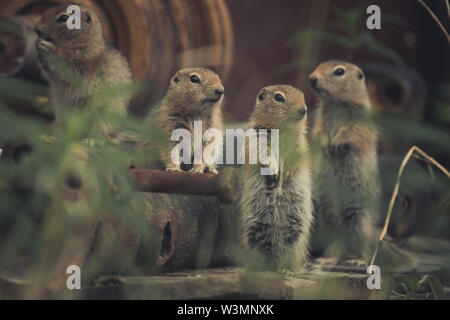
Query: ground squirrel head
<point x="278" y="104"/>
<point x="341" y="81"/>
<point x="196" y="88"/>
<point x="55" y="36"/>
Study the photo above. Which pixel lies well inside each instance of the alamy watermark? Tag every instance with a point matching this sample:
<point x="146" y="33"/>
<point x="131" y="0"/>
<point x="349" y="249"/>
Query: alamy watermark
<point x="212" y="153"/>
<point x="74" y="20"/>
<point x="374" y="20"/>
<point x="73" y="281"/>
<point x="374" y="280"/>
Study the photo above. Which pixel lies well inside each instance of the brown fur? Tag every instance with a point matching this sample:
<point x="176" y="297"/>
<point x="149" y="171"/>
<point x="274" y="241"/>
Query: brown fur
<point x="186" y="102"/>
<point x="84" y="63"/>
<point x="346" y="166"/>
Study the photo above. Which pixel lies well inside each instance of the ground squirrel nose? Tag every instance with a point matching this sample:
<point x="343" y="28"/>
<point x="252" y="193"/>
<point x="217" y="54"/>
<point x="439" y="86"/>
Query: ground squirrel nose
<point x="219" y="92"/>
<point x="42" y="35"/>
<point x="38" y="32"/>
<point x="313" y="82"/>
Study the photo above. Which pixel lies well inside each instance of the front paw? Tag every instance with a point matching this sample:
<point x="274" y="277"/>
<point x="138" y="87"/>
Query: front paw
<point x="173" y="167"/>
<point x="286" y="272"/>
<point x="43" y="47"/>
<point x="198" y="169"/>
<point x="272" y="181"/>
<point x="338" y="151"/>
<point x="211" y="170"/>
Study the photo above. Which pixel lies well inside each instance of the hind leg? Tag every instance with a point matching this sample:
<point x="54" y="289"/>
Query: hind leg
<point x="357" y="234"/>
<point x="349" y="237"/>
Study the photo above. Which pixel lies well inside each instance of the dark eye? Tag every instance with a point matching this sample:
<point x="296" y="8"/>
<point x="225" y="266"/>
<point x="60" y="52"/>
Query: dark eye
<point x="262" y="96"/>
<point x="360" y="76"/>
<point x="195" y="79"/>
<point x="63" y="18"/>
<point x="339" y="72"/>
<point x="279" y="98"/>
<point x="88" y="17"/>
<point x="176" y="79"/>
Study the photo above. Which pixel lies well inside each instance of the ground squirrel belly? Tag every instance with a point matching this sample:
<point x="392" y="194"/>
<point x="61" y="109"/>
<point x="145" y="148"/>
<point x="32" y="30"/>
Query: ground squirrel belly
<point x="194" y="94"/>
<point x="276" y="210"/>
<point x="79" y="63"/>
<point x="346" y="167"/>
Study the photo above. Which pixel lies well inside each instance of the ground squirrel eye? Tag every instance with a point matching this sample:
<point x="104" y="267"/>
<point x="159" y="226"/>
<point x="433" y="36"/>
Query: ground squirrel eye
<point x="88" y="17"/>
<point x="360" y="76"/>
<point x="279" y="98"/>
<point x="63" y="18"/>
<point x="339" y="72"/>
<point x="262" y="96"/>
<point x="176" y="79"/>
<point x="195" y="79"/>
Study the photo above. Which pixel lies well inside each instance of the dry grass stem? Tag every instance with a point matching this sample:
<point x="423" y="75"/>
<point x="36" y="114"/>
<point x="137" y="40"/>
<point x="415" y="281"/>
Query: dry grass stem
<point x="408" y="156"/>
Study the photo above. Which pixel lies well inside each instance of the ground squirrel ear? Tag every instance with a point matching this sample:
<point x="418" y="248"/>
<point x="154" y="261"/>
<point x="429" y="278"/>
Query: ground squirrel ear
<point x="262" y="95"/>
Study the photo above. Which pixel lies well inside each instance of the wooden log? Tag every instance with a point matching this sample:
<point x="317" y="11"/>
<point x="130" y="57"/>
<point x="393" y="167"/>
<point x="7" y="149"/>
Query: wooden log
<point x="171" y="232"/>
<point x="55" y="239"/>
<point x="158" y="37"/>
<point x="225" y="185"/>
<point x="234" y="283"/>
<point x="174" y="233"/>
<point x="187" y="225"/>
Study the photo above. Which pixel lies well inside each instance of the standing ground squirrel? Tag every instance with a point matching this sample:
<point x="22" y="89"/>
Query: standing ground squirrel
<point x="346" y="168"/>
<point x="194" y="94"/>
<point x="78" y="63"/>
<point x="276" y="210"/>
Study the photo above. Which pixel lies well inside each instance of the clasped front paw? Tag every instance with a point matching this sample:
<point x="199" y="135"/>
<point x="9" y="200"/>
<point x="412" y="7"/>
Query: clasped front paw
<point x="338" y="151"/>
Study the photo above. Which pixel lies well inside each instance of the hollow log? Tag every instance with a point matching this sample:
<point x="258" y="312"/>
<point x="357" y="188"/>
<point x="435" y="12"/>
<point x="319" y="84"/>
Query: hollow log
<point x="178" y="232"/>
<point x="158" y="37"/>
<point x="183" y="224"/>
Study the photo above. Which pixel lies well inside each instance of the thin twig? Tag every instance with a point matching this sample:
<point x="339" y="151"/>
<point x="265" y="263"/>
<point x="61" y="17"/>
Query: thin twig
<point x="396" y="189"/>
<point x="435" y="19"/>
<point x="429" y="166"/>
<point x="432" y="161"/>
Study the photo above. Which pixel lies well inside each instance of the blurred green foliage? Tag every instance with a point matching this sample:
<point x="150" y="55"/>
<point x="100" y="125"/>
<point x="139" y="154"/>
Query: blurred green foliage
<point x="71" y="175"/>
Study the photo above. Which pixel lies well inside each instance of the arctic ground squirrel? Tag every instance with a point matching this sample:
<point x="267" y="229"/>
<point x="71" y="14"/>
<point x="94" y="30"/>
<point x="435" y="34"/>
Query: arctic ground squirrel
<point x="194" y="95"/>
<point x="345" y="171"/>
<point x="276" y="209"/>
<point x="79" y="64"/>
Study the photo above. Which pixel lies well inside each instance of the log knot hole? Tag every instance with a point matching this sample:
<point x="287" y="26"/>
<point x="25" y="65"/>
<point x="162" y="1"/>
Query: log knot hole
<point x="166" y="242"/>
<point x="73" y="182"/>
